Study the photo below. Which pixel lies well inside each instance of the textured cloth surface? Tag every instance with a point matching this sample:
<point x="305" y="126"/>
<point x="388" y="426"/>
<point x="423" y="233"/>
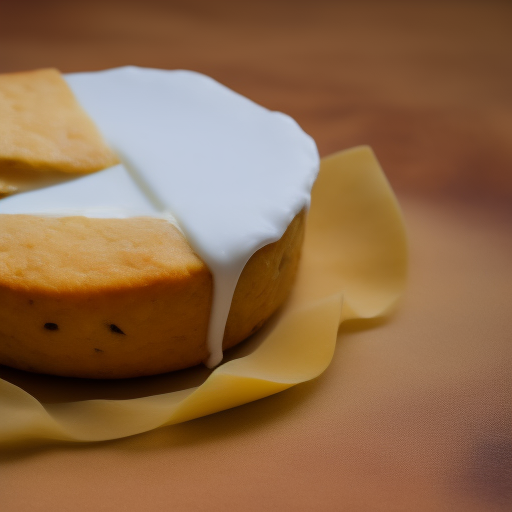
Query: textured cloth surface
<point x="414" y="414"/>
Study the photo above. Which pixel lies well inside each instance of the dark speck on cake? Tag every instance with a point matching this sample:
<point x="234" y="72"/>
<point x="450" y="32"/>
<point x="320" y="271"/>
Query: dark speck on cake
<point x="116" y="329"/>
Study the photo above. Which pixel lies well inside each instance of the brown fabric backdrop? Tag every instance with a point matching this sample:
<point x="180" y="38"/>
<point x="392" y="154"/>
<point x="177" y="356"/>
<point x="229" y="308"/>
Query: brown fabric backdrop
<point x="414" y="413"/>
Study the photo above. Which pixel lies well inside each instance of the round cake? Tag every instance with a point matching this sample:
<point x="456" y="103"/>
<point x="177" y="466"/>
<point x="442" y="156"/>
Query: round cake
<point x="161" y="262"/>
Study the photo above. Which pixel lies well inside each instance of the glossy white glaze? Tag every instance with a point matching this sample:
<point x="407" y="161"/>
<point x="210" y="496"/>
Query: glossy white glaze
<point x="232" y="173"/>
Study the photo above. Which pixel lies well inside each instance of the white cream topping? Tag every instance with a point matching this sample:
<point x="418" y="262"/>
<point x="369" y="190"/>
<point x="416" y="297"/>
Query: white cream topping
<point x="233" y="173"/>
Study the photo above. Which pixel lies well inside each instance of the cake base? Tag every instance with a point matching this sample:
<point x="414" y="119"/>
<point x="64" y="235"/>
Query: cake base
<point x="119" y="298"/>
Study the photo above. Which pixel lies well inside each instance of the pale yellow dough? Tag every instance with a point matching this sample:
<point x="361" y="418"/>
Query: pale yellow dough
<point x="354" y="266"/>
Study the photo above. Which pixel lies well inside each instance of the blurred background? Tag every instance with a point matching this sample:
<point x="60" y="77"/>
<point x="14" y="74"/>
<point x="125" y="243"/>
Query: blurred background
<point x="428" y="84"/>
<point x="412" y="415"/>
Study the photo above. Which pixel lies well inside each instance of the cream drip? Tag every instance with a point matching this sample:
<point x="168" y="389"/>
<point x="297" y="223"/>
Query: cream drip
<point x="232" y="173"/>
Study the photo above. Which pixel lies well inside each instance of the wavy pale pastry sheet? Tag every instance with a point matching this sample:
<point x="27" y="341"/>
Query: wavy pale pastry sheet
<point x="354" y="266"/>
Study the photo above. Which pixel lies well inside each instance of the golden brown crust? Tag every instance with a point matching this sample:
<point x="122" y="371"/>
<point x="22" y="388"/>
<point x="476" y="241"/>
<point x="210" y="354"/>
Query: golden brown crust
<point x="44" y="132"/>
<point x="114" y="298"/>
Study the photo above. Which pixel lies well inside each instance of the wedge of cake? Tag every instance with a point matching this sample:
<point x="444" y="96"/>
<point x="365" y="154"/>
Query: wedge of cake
<point x="44" y="133"/>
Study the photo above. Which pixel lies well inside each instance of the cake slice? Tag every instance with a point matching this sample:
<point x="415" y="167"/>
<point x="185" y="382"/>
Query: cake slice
<point x="45" y="135"/>
<point x="160" y="263"/>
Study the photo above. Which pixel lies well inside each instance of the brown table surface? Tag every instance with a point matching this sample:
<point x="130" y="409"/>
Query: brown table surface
<point x="413" y="414"/>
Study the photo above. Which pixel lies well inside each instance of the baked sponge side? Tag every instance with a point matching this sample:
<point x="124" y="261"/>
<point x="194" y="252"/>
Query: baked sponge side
<point x="118" y="298"/>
